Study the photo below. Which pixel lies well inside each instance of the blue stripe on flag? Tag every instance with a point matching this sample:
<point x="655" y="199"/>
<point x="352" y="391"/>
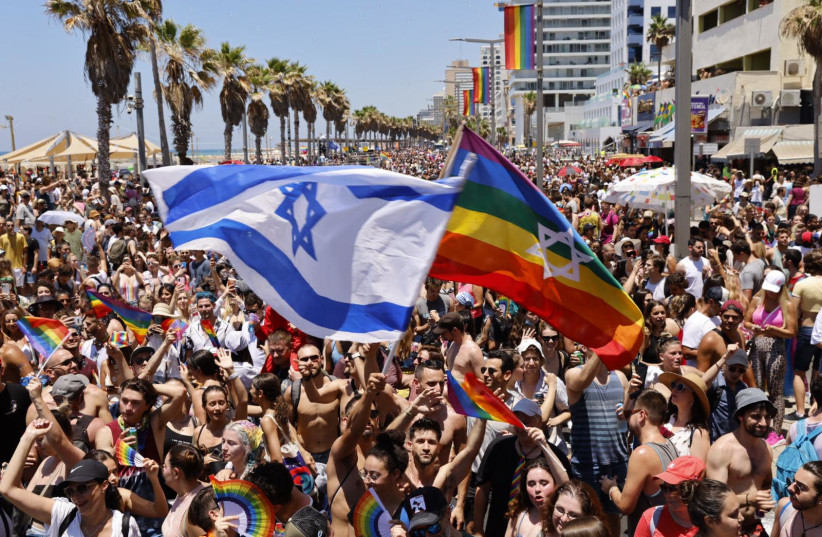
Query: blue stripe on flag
<point x="279" y="271"/>
<point x="444" y="202"/>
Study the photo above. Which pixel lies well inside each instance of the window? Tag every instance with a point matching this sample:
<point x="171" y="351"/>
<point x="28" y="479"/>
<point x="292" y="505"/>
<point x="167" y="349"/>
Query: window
<point x="656" y="11"/>
<point x="671" y="12"/>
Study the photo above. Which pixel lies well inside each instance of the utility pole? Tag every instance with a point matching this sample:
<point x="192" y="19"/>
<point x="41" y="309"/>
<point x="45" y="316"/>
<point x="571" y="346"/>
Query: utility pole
<point x="540" y="118"/>
<point x="245" y="135"/>
<point x="682" y="129"/>
<point x="141" y="135"/>
<point x="11" y="131"/>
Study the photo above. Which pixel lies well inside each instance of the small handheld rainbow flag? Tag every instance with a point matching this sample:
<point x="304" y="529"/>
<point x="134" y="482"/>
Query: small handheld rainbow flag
<point x="468" y="106"/>
<point x="254" y="512"/>
<point x="473" y="398"/>
<point x="178" y="325"/>
<point x="519" y="37"/>
<point x="119" y="339"/>
<point x="44" y="335"/>
<point x="127" y="455"/>
<point x="482" y="84"/>
<point x="385" y="155"/>
<point x="136" y="319"/>
<point x="208" y="328"/>
<point x="371" y="518"/>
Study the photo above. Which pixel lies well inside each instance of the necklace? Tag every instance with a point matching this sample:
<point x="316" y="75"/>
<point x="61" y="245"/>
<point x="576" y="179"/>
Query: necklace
<point x="804" y="529"/>
<point x="99" y="526"/>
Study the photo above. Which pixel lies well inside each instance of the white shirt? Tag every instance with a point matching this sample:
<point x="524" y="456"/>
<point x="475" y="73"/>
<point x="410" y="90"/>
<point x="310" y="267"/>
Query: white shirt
<point x="693" y="274"/>
<point x="816" y="335"/>
<point x="43" y="238"/>
<point x="695" y="329"/>
<point x="61" y="509"/>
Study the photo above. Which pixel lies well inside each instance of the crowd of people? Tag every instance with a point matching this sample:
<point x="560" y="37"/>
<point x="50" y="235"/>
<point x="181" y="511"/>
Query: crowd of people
<point x="682" y="441"/>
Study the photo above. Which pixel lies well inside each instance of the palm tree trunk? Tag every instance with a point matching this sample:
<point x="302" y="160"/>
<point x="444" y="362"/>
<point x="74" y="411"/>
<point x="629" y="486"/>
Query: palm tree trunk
<point x="158" y="96"/>
<point x="817" y="117"/>
<point x="282" y="139"/>
<point x="227" y="137"/>
<point x="288" y="122"/>
<point x="327" y="137"/>
<point x="658" y="66"/>
<point x="297" y="135"/>
<point x="103" y="127"/>
<point x="259" y="147"/>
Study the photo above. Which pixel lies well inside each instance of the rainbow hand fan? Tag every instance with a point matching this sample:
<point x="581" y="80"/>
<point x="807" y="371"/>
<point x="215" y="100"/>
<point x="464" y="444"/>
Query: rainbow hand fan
<point x="253" y="509"/>
<point x="371" y="519"/>
<point x="127" y="455"/>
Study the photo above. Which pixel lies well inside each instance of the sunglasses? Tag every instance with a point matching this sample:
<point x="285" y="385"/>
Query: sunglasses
<point x="433" y="364"/>
<point x="430" y="530"/>
<point x="668" y="489"/>
<point x="140" y="360"/>
<point x="310" y="358"/>
<point x="678" y="387"/>
<point x="79" y="490"/>
<point x="490" y="370"/>
<point x="551" y="338"/>
<point x="67" y="362"/>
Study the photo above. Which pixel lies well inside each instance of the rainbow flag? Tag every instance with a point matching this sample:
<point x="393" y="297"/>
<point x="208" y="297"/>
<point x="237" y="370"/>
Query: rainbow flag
<point x="44" y="335"/>
<point x="468" y="106"/>
<point x="208" y="328"/>
<point x="482" y="84"/>
<point x="371" y="519"/>
<point x="118" y="339"/>
<point x="383" y="154"/>
<point x="473" y="398"/>
<point x="519" y="36"/>
<point x="136" y="319"/>
<point x="177" y="324"/>
<point x="504" y="234"/>
<point x="127" y="455"/>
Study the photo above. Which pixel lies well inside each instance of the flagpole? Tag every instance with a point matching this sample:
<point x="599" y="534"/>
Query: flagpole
<point x="391" y="353"/>
<point x="540" y="119"/>
<point x="42" y="367"/>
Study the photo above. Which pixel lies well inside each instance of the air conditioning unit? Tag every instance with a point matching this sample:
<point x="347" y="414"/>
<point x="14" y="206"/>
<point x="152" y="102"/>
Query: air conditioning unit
<point x="762" y="99"/>
<point x="795" y="67"/>
<point x="790" y="98"/>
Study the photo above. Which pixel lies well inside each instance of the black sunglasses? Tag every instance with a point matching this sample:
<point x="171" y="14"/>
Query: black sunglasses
<point x="490" y="370"/>
<point x="433" y="364"/>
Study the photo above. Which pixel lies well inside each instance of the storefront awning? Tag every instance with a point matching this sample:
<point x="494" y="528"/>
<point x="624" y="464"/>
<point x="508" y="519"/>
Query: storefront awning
<point x="667" y="133"/>
<point x="639" y="127"/>
<point x="768" y="136"/>
<point x="794" y="151"/>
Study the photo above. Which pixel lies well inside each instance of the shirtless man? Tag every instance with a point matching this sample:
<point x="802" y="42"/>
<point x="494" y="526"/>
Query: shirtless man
<point x="426" y="467"/>
<point x="95" y="400"/>
<point x="715" y="343"/>
<point x="15" y="362"/>
<point x="347" y="455"/>
<point x="742" y="459"/>
<point x="463" y="355"/>
<point x="317" y="419"/>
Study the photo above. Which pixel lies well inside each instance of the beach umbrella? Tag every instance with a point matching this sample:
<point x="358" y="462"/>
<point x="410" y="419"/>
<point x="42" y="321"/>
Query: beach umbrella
<point x="569" y="170"/>
<point x="232" y="162"/>
<point x="60" y="217"/>
<point x="654" y="189"/>
<point x="652" y="159"/>
<point x="634" y="161"/>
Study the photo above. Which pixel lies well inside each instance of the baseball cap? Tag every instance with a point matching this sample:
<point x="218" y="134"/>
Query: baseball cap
<point x="59" y="229"/>
<point x="466" y="299"/>
<point x="25" y="194"/>
<point x="425" y="506"/>
<point x="450" y="320"/>
<point x="109" y="222"/>
<point x="732" y="305"/>
<point x="806" y="238"/>
<point x="69" y="386"/>
<point x="718" y="294"/>
<point x="527" y="344"/>
<point x="749" y="397"/>
<point x="84" y="471"/>
<point x="527" y="407"/>
<point x="648" y="214"/>
<point x="681" y="469"/>
<point x="588" y="226"/>
<point x="740" y="357"/>
<point x="743" y="194"/>
<point x="662" y="239"/>
<point x="774" y="281"/>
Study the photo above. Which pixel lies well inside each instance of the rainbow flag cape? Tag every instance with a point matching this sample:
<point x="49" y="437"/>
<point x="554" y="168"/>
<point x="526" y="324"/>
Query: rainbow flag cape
<point x="44" y="335"/>
<point x="371" y="518"/>
<point x="473" y="398"/>
<point x="519" y="36"/>
<point x="504" y="234"/>
<point x="127" y="455"/>
<point x="208" y="328"/>
<point x="136" y="319"/>
<point x="482" y="84"/>
<point x="468" y="106"/>
<point x="254" y="512"/>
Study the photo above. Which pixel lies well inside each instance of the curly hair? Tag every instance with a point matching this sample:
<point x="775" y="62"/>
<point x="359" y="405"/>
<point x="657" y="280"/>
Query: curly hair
<point x="586" y="496"/>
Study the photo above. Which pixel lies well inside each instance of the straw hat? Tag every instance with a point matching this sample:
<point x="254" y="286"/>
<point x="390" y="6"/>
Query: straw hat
<point x="694" y="382"/>
<point x="164" y="310"/>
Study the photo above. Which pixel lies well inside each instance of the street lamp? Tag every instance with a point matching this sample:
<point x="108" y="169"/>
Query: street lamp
<point x="11" y="130"/>
<point x="493" y="62"/>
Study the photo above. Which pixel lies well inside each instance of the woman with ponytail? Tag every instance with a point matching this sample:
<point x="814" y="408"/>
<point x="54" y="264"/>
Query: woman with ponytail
<point x="384" y="469"/>
<point x="181" y="468"/>
<point x="712" y="506"/>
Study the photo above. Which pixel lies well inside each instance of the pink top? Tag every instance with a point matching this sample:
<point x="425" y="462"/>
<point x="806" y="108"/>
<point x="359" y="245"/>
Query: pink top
<point x="772" y="318"/>
<point x="175" y="523"/>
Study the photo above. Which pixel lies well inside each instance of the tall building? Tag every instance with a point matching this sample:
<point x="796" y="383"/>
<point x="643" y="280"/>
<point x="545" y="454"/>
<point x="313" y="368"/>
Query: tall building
<point x="500" y="78"/>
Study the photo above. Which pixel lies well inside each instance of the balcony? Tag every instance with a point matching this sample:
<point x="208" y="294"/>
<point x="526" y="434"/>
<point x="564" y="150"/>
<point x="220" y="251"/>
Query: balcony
<point x="635" y="20"/>
<point x="636" y="39"/>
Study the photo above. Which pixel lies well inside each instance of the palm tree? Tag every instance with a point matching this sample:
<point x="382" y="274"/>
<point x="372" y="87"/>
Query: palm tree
<point x="450" y="114"/>
<point x="188" y="72"/>
<point x="299" y="94"/>
<point x="310" y="117"/>
<point x="502" y="136"/>
<point x="230" y="64"/>
<point x="278" y="94"/>
<point x="114" y="30"/>
<point x="328" y="97"/>
<point x="259" y="78"/>
<point x="660" y="33"/>
<point x="804" y="23"/>
<point x="638" y="73"/>
<point x="529" y="106"/>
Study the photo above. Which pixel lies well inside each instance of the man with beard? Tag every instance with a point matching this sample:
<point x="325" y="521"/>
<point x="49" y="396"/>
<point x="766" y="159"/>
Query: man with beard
<point x="742" y="459"/>
<point x="801" y="512"/>
<point x="426" y="467"/>
<point x="715" y="343"/>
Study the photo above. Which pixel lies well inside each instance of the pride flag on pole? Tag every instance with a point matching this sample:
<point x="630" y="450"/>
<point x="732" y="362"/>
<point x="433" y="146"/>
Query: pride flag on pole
<point x="519" y="37"/>
<point x="504" y="234"/>
<point x="44" y="335"/>
<point x="473" y="398"/>
<point x="136" y="319"/>
<point x="482" y="84"/>
<point x="468" y="106"/>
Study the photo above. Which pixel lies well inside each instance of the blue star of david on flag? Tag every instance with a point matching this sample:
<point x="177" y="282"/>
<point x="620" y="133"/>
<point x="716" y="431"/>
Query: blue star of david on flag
<point x="301" y="235"/>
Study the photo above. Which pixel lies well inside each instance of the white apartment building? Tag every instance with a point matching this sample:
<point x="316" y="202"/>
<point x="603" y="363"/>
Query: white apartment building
<point x="500" y="78"/>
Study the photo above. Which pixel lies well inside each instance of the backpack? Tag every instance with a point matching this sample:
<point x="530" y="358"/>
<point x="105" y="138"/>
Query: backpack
<point x="117" y="252"/>
<point x="64" y="525"/>
<point x="655" y="519"/>
<point x="799" y="452"/>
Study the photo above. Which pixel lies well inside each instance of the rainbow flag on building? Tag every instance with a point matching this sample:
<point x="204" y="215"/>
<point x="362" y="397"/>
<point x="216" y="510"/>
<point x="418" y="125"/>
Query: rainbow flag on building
<point x="482" y="84"/>
<point x="44" y="335"/>
<point x="504" y="234"/>
<point x="519" y="36"/>
<point x="468" y="106"/>
<point x="473" y="398"/>
<point x="134" y="318"/>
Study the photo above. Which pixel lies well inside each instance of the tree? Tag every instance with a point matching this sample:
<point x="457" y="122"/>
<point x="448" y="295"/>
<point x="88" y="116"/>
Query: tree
<point x="660" y="32"/>
<point x="230" y="64"/>
<point x="299" y="95"/>
<point x="278" y="95"/>
<point x="502" y="136"/>
<point x="529" y="106"/>
<point x="188" y="72"/>
<point x="638" y="73"/>
<point x="114" y="31"/>
<point x="804" y="23"/>
<point x="330" y="98"/>
<point x="260" y="79"/>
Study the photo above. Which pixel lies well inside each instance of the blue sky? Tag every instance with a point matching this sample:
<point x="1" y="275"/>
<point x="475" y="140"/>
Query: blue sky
<point x="383" y="53"/>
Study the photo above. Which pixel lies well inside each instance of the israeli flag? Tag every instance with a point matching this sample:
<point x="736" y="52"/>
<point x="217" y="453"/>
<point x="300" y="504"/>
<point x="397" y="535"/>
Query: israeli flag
<point x="341" y="252"/>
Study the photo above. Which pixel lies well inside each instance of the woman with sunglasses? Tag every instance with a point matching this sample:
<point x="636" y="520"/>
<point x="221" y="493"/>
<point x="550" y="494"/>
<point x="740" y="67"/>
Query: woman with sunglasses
<point x="553" y="348"/>
<point x="525" y="511"/>
<point x="92" y="506"/>
<point x="573" y="499"/>
<point x="131" y="502"/>
<point x="687" y="414"/>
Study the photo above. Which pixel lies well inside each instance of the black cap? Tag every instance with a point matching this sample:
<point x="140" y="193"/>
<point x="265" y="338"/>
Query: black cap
<point x="450" y="320"/>
<point x="425" y="506"/>
<point x="84" y="471"/>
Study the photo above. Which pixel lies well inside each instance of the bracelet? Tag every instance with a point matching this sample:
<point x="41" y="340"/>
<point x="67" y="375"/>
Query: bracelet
<point x="408" y="411"/>
<point x="610" y="490"/>
<point x="356" y="355"/>
<point x="233" y="376"/>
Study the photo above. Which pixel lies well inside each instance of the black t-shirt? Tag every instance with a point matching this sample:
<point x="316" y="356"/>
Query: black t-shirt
<point x="498" y="466"/>
<point x="14" y="402"/>
<point x="32" y="246"/>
